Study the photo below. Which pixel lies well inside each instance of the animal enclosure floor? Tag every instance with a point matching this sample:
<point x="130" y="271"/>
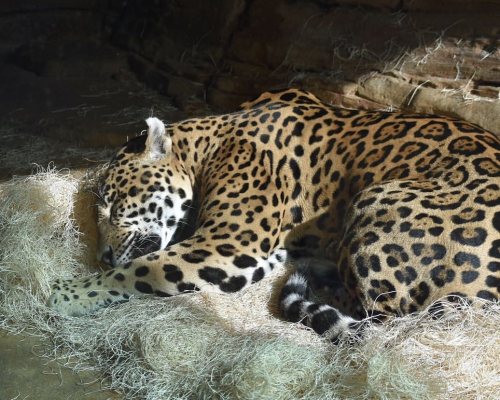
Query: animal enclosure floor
<point x="24" y="375"/>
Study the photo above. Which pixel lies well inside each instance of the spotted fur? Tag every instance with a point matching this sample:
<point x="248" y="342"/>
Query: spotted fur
<point x="405" y="207"/>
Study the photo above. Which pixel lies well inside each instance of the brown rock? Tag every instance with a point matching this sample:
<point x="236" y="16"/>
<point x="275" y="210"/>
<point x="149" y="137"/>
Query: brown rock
<point x="462" y="5"/>
<point x="347" y="101"/>
<point x="370" y="3"/>
<point x="386" y="90"/>
<point x="395" y="92"/>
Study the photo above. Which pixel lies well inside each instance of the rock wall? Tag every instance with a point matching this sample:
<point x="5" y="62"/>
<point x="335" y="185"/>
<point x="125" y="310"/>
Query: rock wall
<point x="420" y="55"/>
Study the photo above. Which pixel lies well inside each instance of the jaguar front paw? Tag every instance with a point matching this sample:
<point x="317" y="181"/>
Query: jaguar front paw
<point x="64" y="304"/>
<point x="69" y="298"/>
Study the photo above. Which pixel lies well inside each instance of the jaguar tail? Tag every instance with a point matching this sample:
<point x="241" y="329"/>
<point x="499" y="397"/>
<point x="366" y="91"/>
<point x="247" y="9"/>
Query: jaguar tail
<point x="324" y="319"/>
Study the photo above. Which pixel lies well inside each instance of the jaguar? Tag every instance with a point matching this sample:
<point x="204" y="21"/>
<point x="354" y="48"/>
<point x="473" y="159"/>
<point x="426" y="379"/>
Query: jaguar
<point x="395" y="211"/>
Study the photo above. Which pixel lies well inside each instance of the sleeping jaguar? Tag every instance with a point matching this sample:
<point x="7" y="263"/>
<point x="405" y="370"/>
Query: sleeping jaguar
<point x="396" y="210"/>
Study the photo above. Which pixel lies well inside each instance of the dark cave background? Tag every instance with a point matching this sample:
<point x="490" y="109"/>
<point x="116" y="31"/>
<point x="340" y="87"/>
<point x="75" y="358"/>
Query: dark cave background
<point x="79" y="77"/>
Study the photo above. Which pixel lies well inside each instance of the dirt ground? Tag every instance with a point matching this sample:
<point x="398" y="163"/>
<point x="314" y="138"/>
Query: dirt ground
<point x="26" y="375"/>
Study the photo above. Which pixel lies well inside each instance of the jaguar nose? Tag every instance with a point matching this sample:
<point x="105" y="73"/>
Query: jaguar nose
<point x="107" y="256"/>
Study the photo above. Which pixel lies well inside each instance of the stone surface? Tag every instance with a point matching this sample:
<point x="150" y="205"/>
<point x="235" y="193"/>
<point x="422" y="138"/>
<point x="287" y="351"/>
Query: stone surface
<point x="225" y="51"/>
<point x="455" y="102"/>
<point x="433" y="5"/>
<point x="84" y="111"/>
<point x="183" y="38"/>
<point x="370" y="3"/>
<point x="24" y="375"/>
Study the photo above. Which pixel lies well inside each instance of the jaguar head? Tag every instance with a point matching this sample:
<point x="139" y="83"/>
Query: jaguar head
<point x="144" y="196"/>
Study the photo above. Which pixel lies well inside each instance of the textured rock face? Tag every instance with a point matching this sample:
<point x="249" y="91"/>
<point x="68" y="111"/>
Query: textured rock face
<point x="412" y="54"/>
<point x="417" y="55"/>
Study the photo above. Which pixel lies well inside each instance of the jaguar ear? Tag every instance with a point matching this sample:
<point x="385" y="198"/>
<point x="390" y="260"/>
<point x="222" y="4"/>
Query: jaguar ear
<point x="158" y="142"/>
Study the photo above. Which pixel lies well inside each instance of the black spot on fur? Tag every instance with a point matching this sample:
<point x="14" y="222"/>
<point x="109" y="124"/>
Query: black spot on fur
<point x="172" y="273"/>
<point x="294" y="166"/>
<point x="212" y="275"/>
<point x="462" y="258"/>
<point x="382" y="290"/>
<point x="436" y="231"/>
<point x="142" y="271"/>
<point x="119" y="277"/>
<point x="406" y="275"/>
<point x="403" y="211"/>
<point x="244" y="261"/>
<point x="288" y="96"/>
<point x="375" y="263"/>
<point x="493" y="282"/>
<point x="469" y="276"/>
<point x="441" y="275"/>
<point x="296" y="190"/>
<point x="299" y="150"/>
<point x="421" y="293"/>
<point x="226" y="249"/>
<point x="171" y="221"/>
<point x="133" y="191"/>
<point x="487" y="295"/>
<point x="496" y="221"/>
<point x="265" y="225"/>
<point x="366" y="202"/>
<point x="461" y="236"/>
<point x="441" y="203"/>
<point x="233" y="284"/>
<point x="466" y="146"/>
<point x="258" y="275"/>
<point x="143" y="287"/>
<point x="416" y="233"/>
<point x="486" y="166"/>
<point x="472" y="216"/>
<point x="495" y="249"/>
<point x="494" y="266"/>
<point x="187" y="287"/>
<point x="434" y="130"/>
<point x="361" y="267"/>
<point x="265" y="245"/>
<point x="169" y="202"/>
<point x="297" y="129"/>
<point x="196" y="256"/>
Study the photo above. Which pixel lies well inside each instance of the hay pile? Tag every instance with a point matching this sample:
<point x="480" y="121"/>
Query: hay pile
<point x="202" y="346"/>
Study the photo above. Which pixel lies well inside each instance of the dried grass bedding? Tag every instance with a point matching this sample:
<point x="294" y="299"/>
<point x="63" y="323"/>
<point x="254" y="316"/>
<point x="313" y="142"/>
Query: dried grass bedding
<point x="201" y="346"/>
